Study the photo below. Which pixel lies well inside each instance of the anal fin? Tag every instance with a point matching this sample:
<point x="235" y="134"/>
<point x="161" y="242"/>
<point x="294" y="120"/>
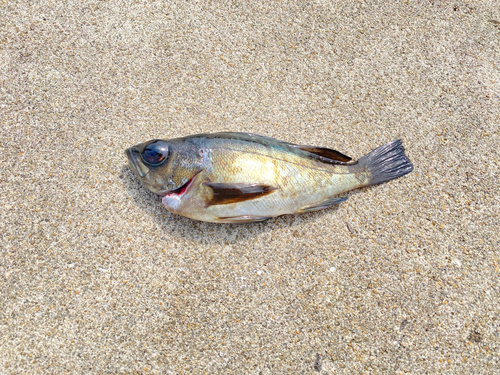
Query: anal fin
<point x="321" y="205"/>
<point x="242" y="219"/>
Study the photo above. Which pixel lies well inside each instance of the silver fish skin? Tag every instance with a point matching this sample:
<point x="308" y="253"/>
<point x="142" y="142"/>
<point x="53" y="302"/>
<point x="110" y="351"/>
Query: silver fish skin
<point x="241" y="177"/>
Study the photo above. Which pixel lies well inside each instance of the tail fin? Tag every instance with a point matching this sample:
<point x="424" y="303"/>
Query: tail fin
<point x="386" y="163"/>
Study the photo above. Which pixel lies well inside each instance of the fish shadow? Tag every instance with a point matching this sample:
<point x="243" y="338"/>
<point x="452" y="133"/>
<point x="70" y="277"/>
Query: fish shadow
<point x="212" y="233"/>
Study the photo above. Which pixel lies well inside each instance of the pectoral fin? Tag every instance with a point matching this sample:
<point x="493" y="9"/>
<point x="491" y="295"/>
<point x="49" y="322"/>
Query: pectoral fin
<point x="235" y="193"/>
<point x="322" y="205"/>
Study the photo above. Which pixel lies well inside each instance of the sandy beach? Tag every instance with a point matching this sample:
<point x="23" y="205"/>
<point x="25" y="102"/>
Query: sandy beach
<point x="97" y="277"/>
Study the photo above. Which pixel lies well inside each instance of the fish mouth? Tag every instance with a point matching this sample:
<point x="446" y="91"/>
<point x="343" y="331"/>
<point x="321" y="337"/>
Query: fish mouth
<point x="135" y="163"/>
<point x="182" y="190"/>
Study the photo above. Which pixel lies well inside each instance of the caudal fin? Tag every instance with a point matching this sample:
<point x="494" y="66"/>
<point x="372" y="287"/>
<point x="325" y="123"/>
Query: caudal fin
<point x="386" y="162"/>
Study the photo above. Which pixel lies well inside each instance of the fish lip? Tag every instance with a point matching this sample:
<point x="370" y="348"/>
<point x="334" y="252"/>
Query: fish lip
<point x="132" y="155"/>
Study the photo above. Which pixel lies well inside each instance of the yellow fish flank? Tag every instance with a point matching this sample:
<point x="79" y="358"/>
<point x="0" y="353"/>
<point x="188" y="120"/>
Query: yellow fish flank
<point x="241" y="178"/>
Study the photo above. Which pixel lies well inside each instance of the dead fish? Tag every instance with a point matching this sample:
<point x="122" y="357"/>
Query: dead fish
<point x="242" y="178"/>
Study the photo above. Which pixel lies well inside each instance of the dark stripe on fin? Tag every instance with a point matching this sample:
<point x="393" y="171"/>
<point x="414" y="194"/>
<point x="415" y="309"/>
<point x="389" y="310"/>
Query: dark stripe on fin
<point x="234" y="193"/>
<point x="386" y="163"/>
<point x="325" y="204"/>
<point x="327" y="153"/>
<point x="242" y="219"/>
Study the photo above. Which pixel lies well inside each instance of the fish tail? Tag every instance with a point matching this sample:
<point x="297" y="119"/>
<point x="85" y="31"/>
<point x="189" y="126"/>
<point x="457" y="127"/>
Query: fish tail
<point x="386" y="163"/>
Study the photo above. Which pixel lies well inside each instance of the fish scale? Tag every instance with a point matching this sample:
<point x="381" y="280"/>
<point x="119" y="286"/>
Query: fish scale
<point x="291" y="174"/>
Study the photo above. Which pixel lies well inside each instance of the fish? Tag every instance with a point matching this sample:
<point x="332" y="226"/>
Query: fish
<point x="231" y="177"/>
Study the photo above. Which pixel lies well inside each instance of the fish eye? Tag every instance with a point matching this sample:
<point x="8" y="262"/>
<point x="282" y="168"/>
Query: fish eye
<point x="155" y="153"/>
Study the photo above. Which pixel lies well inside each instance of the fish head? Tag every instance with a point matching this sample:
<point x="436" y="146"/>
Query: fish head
<point x="164" y="166"/>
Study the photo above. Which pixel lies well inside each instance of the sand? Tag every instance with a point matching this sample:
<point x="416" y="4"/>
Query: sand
<point x="96" y="276"/>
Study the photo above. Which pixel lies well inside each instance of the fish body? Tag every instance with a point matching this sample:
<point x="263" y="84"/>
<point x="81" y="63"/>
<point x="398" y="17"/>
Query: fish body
<point x="240" y="177"/>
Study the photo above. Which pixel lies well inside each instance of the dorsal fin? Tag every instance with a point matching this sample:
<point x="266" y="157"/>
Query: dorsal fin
<point x="326" y="155"/>
<point x="324" y="152"/>
<point x="234" y="193"/>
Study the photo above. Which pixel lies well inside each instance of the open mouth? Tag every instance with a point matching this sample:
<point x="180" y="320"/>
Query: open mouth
<point x="180" y="191"/>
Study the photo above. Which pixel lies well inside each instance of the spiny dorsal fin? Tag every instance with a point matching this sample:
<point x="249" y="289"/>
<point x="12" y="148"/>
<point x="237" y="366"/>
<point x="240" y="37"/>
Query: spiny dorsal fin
<point x="324" y="152"/>
<point x="234" y="193"/>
